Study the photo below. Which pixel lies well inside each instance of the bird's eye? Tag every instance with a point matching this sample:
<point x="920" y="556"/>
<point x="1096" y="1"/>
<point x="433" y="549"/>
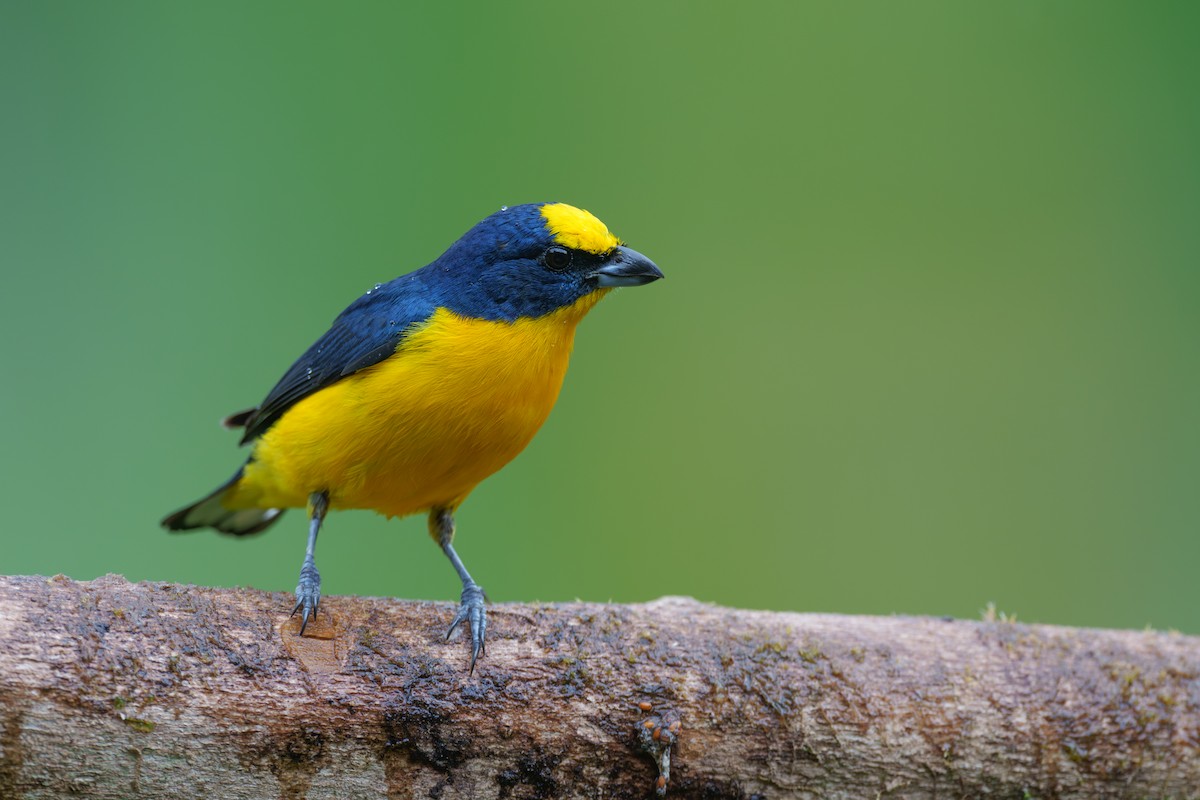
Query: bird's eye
<point x="557" y="258"/>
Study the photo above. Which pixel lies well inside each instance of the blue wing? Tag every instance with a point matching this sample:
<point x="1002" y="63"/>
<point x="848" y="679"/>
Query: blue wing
<point x="368" y="331"/>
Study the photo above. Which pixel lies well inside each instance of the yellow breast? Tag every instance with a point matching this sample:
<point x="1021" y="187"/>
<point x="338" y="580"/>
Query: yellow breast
<point x="456" y="402"/>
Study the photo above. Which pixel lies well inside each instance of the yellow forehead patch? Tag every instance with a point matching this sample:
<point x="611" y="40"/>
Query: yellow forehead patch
<point x="578" y="229"/>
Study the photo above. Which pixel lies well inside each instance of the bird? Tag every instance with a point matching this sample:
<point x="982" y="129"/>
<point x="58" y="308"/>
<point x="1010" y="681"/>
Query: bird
<point x="423" y="387"/>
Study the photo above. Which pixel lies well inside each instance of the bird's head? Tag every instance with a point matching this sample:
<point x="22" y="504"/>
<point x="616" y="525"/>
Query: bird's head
<point x="533" y="259"/>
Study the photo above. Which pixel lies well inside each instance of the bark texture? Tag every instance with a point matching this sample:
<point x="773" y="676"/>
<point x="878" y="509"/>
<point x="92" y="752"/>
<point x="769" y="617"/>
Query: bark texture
<point x="119" y="690"/>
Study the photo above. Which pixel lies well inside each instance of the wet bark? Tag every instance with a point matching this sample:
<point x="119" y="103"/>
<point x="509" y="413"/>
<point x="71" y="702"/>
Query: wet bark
<point x="112" y="689"/>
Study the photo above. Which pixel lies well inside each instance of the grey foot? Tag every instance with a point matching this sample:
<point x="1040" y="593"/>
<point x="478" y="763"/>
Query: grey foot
<point x="308" y="593"/>
<point x="471" y="611"/>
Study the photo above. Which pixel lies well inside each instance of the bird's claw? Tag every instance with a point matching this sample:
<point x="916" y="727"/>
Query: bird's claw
<point x="308" y="594"/>
<point x="471" y="610"/>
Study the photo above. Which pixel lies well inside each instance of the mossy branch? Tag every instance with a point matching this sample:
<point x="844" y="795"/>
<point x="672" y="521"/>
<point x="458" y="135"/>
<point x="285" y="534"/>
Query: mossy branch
<point x="119" y="690"/>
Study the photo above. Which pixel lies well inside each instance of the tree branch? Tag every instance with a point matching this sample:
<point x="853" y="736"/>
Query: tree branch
<point x="111" y="689"/>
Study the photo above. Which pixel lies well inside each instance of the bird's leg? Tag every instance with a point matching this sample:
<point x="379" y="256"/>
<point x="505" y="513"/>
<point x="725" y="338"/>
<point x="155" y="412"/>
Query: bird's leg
<point x="308" y="590"/>
<point x="470" y="609"/>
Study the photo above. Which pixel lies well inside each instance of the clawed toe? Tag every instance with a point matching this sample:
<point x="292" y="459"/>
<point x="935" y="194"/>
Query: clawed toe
<point x="308" y="595"/>
<point x="472" y="611"/>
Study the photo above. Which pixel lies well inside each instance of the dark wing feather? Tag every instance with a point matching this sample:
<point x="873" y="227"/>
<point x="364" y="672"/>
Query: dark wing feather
<point x="367" y="332"/>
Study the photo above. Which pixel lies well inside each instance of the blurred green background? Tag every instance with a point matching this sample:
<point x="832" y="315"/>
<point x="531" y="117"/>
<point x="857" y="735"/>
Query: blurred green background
<point x="928" y="337"/>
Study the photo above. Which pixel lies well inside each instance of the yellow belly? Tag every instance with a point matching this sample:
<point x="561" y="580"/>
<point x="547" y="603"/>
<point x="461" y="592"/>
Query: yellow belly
<point x="459" y="399"/>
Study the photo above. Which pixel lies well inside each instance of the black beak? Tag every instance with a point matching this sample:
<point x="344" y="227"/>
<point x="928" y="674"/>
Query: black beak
<point x="626" y="267"/>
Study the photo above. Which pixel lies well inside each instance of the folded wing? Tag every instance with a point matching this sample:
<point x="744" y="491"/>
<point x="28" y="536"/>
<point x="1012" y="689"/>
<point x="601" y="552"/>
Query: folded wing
<point x="367" y="332"/>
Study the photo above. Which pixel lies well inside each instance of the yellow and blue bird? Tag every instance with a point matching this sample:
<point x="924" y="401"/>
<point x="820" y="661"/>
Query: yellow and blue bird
<point x="424" y="386"/>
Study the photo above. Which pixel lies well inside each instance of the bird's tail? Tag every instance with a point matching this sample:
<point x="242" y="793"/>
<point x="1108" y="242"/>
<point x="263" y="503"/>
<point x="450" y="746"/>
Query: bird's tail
<point x="211" y="512"/>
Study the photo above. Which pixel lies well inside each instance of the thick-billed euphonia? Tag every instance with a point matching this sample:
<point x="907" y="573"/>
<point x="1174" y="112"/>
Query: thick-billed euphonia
<point x="424" y="386"/>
